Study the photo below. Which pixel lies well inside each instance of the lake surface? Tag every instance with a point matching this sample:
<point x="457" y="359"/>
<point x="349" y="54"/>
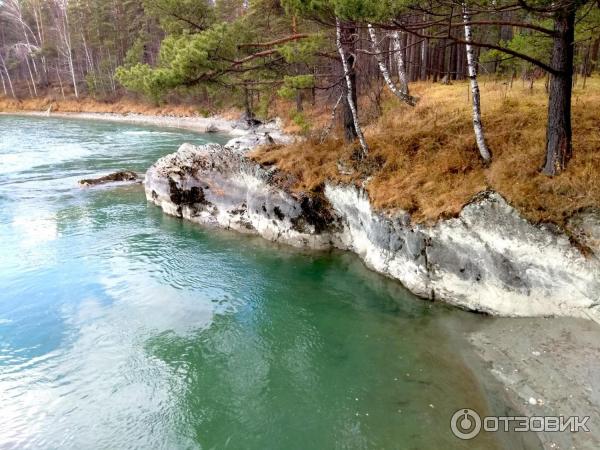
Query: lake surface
<point x="121" y="327"/>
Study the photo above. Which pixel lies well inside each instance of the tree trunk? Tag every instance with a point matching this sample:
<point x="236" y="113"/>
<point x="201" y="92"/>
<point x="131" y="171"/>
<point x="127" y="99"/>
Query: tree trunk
<point x="413" y="68"/>
<point x="471" y="62"/>
<point x="60" y="83"/>
<point x="397" y="43"/>
<point x="348" y="118"/>
<point x="435" y="63"/>
<point x="249" y="115"/>
<point x="31" y="75"/>
<point x="351" y="96"/>
<point x="384" y="71"/>
<point x="424" y="52"/>
<point x="3" y="85"/>
<point x="559" y="146"/>
<point x="10" y="84"/>
<point x="299" y="105"/>
<point x="594" y="56"/>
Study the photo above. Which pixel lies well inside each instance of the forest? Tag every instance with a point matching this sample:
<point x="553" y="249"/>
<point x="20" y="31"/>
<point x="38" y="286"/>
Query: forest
<point x="340" y="56"/>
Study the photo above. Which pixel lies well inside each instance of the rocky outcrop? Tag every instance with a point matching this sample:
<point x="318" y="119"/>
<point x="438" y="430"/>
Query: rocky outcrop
<point x="219" y="186"/>
<point x="489" y="259"/>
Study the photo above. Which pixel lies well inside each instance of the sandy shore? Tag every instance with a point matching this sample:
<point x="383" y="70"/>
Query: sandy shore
<point x="548" y="367"/>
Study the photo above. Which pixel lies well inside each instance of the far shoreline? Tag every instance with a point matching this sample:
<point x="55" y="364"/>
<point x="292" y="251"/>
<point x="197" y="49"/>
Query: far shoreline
<point x="206" y="125"/>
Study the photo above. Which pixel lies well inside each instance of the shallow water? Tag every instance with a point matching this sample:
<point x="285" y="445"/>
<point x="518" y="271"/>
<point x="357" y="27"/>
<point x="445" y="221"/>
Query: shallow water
<point x="123" y="328"/>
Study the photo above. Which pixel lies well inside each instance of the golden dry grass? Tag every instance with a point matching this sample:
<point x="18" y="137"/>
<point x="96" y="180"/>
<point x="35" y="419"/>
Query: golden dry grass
<point x="424" y="159"/>
<point x="89" y="105"/>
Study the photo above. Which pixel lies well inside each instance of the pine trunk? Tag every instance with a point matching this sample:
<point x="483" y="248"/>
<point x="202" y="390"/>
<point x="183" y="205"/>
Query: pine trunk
<point x="559" y="146"/>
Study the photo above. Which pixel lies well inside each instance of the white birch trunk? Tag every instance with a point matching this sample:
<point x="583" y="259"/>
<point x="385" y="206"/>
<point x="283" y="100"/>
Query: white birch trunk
<point x="62" y="23"/>
<point x="88" y="58"/>
<point x="3" y="84"/>
<point x="31" y="74"/>
<point x="350" y="88"/>
<point x="72" y="70"/>
<point x="424" y="51"/>
<point x="10" y="84"/>
<point x="384" y="71"/>
<point x="39" y="26"/>
<point x="25" y="27"/>
<point x="69" y="50"/>
<point x="475" y="95"/>
<point x="397" y="43"/>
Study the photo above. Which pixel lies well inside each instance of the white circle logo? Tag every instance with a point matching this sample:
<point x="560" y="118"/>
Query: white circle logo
<point x="465" y="424"/>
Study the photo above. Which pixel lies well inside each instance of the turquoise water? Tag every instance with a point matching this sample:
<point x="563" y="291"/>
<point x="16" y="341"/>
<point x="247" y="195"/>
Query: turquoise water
<point x="124" y="328"/>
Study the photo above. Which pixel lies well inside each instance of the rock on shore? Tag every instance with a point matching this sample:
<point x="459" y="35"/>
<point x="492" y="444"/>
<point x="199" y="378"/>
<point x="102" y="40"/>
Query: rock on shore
<point x="489" y="259"/>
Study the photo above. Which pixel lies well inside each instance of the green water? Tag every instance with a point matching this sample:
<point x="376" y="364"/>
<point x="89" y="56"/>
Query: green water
<point x="123" y="328"/>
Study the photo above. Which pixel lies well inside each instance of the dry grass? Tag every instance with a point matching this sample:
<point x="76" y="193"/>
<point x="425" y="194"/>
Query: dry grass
<point x="425" y="160"/>
<point x="89" y="105"/>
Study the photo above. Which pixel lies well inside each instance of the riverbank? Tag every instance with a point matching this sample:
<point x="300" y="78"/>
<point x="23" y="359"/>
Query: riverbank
<point x="488" y="259"/>
<point x="503" y="343"/>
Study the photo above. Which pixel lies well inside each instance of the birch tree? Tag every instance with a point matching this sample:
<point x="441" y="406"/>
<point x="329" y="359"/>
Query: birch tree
<point x="61" y="20"/>
<point x="349" y="87"/>
<point x="13" y="11"/>
<point x="398" y="52"/>
<point x="475" y="94"/>
<point x="4" y="69"/>
<point x="384" y="71"/>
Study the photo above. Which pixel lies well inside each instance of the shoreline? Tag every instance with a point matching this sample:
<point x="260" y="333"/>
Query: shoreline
<point x="547" y="368"/>
<point x="197" y="124"/>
